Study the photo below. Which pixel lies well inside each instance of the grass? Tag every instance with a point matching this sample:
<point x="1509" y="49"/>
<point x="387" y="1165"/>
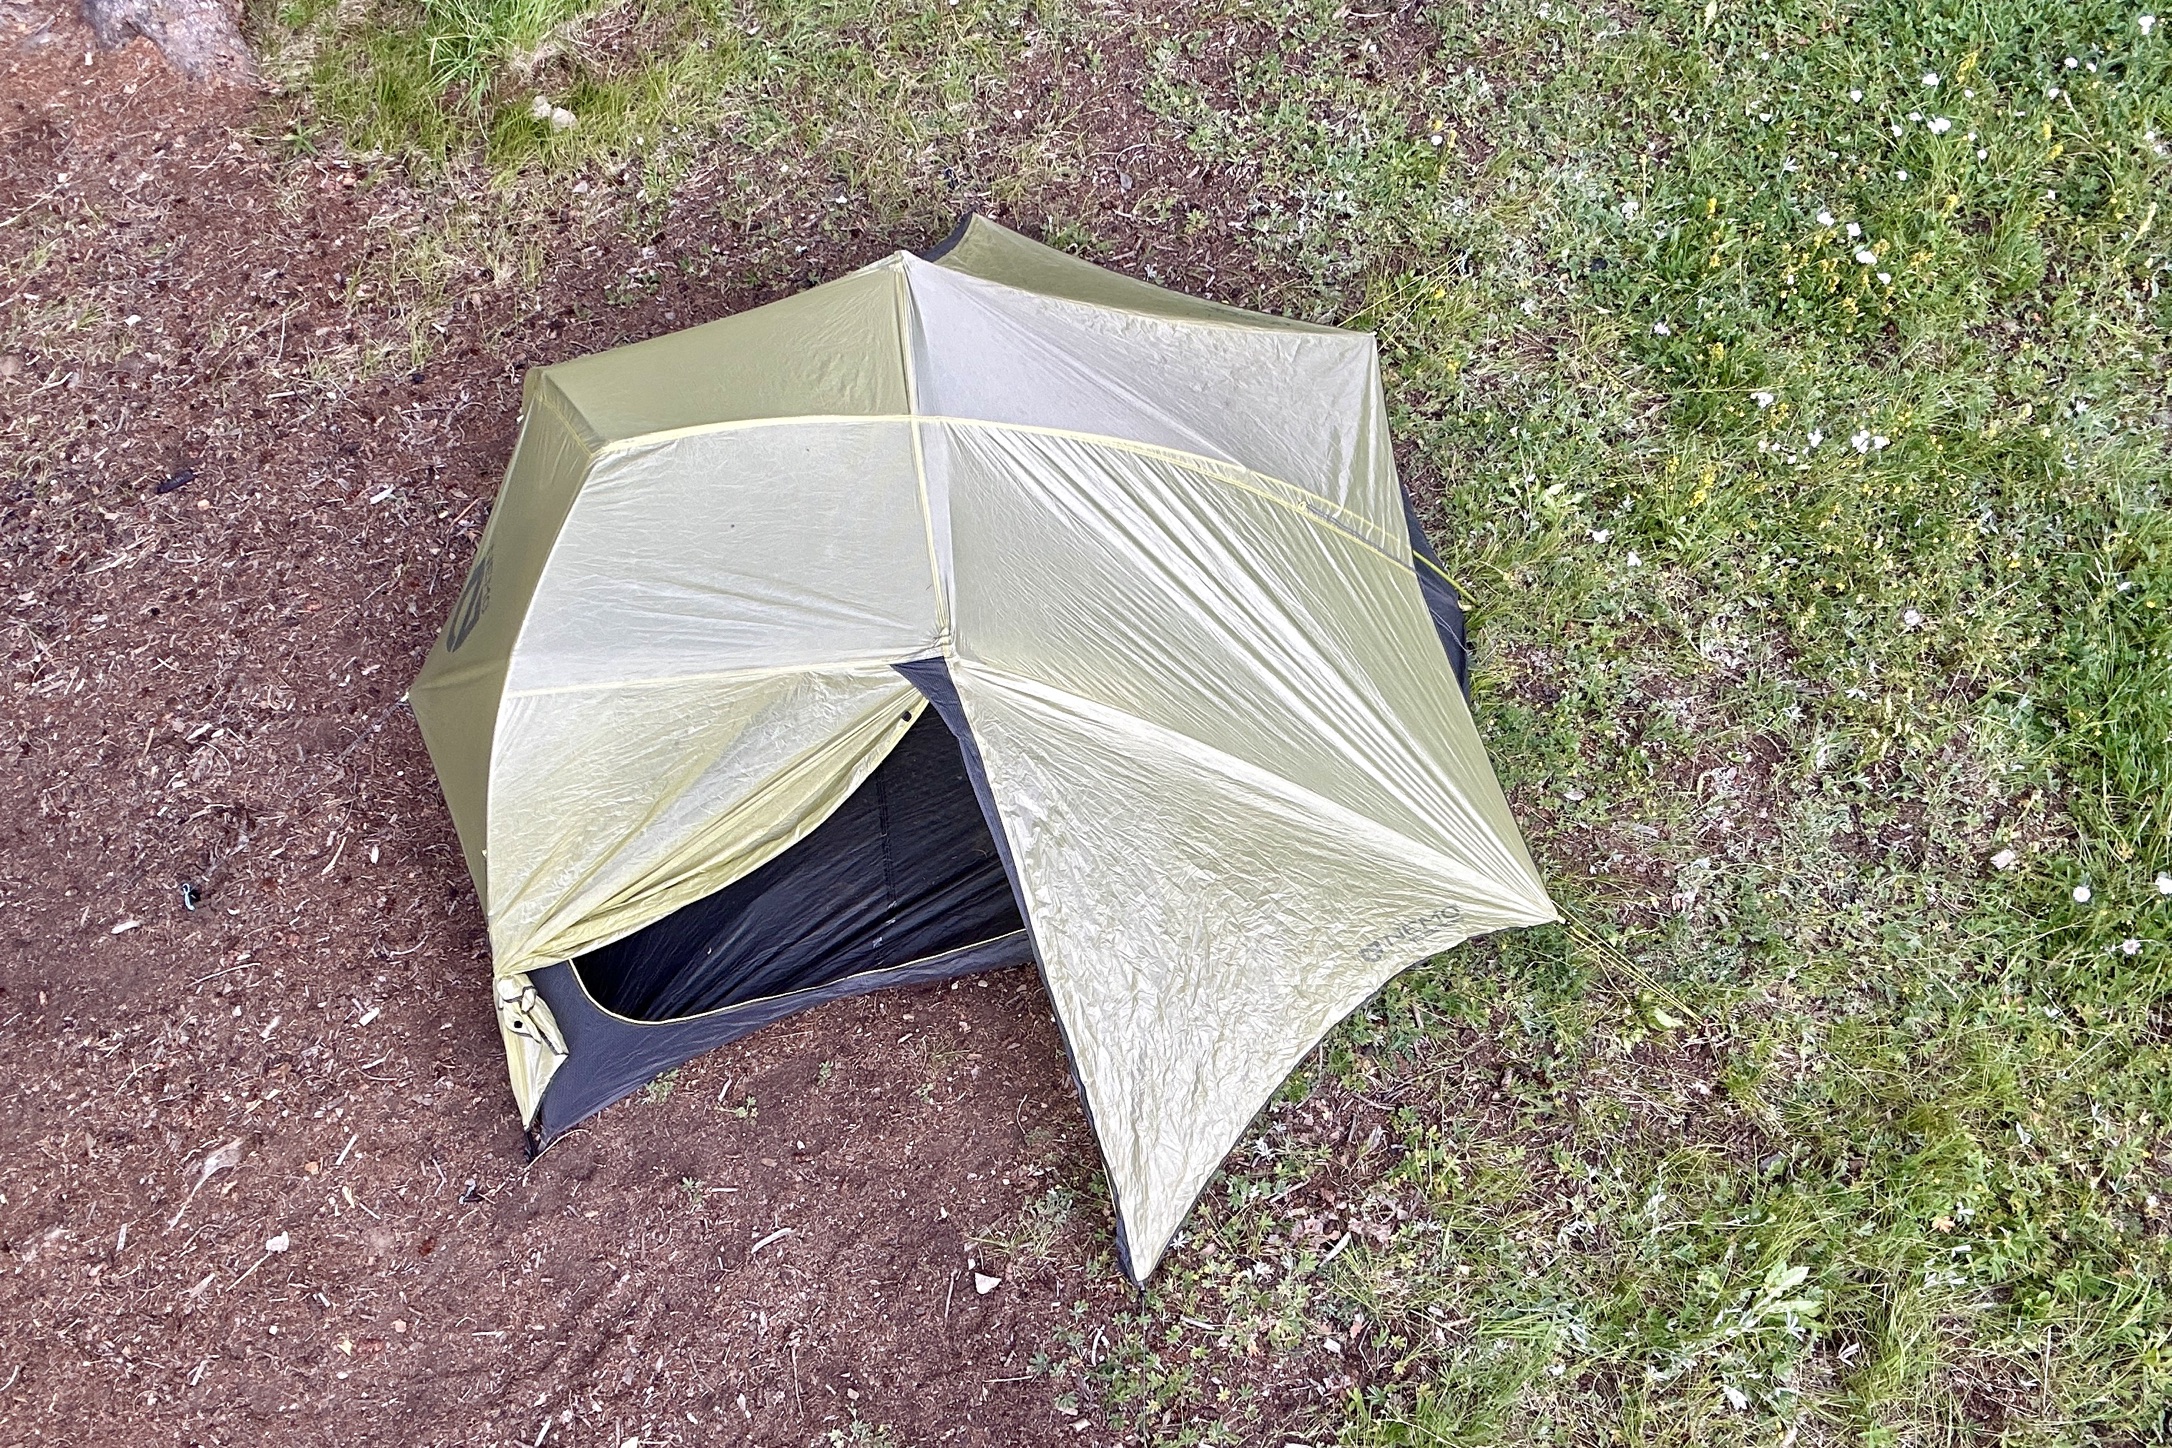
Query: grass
<point x="880" y="97"/>
<point x="1789" y="388"/>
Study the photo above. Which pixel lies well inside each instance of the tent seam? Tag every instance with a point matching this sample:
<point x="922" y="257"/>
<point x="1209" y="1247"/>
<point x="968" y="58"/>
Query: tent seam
<point x="902" y="298"/>
<point x="1232" y="318"/>
<point x="1316" y="507"/>
<point x="561" y="407"/>
<point x="658" y="681"/>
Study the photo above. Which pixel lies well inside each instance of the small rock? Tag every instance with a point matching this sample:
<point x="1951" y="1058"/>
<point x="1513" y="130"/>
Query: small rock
<point x="984" y="1284"/>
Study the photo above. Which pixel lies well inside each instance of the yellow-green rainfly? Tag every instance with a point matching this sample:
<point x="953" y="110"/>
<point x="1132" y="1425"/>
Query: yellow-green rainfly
<point x="1160" y="546"/>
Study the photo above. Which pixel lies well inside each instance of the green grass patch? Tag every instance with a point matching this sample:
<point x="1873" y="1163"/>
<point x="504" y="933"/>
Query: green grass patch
<point x="873" y="95"/>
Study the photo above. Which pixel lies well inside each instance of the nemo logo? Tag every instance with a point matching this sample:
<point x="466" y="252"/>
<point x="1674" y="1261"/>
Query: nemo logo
<point x="1413" y="933"/>
<point x="468" y="610"/>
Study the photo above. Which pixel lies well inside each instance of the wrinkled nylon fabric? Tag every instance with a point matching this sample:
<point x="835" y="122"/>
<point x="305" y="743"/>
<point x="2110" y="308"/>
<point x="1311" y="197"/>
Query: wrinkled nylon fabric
<point x="830" y="350"/>
<point x="782" y="546"/>
<point x="1001" y="354"/>
<point x="1284" y="789"/>
<point x="1254" y="917"/>
<point x="1225" y="616"/>
<point x="1159" y="546"/>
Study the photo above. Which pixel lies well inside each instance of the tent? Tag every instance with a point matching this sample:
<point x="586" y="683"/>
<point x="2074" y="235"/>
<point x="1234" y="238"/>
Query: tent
<point x="971" y="610"/>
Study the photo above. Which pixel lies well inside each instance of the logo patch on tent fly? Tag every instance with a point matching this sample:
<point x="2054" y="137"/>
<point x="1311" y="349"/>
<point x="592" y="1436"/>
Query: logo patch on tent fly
<point x="468" y="611"/>
<point x="1414" y="931"/>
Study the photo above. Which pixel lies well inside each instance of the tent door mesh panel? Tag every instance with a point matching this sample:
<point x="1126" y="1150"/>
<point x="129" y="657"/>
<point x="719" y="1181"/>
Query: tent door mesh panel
<point x="905" y="869"/>
<point x="1441" y="598"/>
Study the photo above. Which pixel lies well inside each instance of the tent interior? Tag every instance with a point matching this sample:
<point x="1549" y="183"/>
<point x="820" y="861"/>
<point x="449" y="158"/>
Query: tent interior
<point x="904" y="870"/>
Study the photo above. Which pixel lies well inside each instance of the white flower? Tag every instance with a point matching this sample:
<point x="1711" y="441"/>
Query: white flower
<point x="1814" y="438"/>
<point x="1885" y="278"/>
<point x="1983" y="155"/>
<point x="1600" y="535"/>
<point x="1940" y="125"/>
<point x="2145" y="23"/>
<point x="1634" y="561"/>
<point x="1439" y="139"/>
<point x="1930" y="77"/>
<point x="1854" y="232"/>
<point x="1628" y="209"/>
<point x="1661" y="329"/>
<point x="2071" y="62"/>
<point x="1860" y="441"/>
<point x="1866" y="256"/>
<point x="1911" y="620"/>
<point x="1880" y="442"/>
<point x="1762" y="399"/>
<point x="1855" y="95"/>
<point x="2164" y="883"/>
<point x="2004" y="860"/>
<point x="1825" y="218"/>
<point x="2130" y="946"/>
<point x="2082" y="895"/>
<point x="1736" y="1398"/>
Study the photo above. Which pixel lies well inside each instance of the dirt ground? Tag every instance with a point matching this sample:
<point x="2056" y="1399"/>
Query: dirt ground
<point x="237" y="929"/>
